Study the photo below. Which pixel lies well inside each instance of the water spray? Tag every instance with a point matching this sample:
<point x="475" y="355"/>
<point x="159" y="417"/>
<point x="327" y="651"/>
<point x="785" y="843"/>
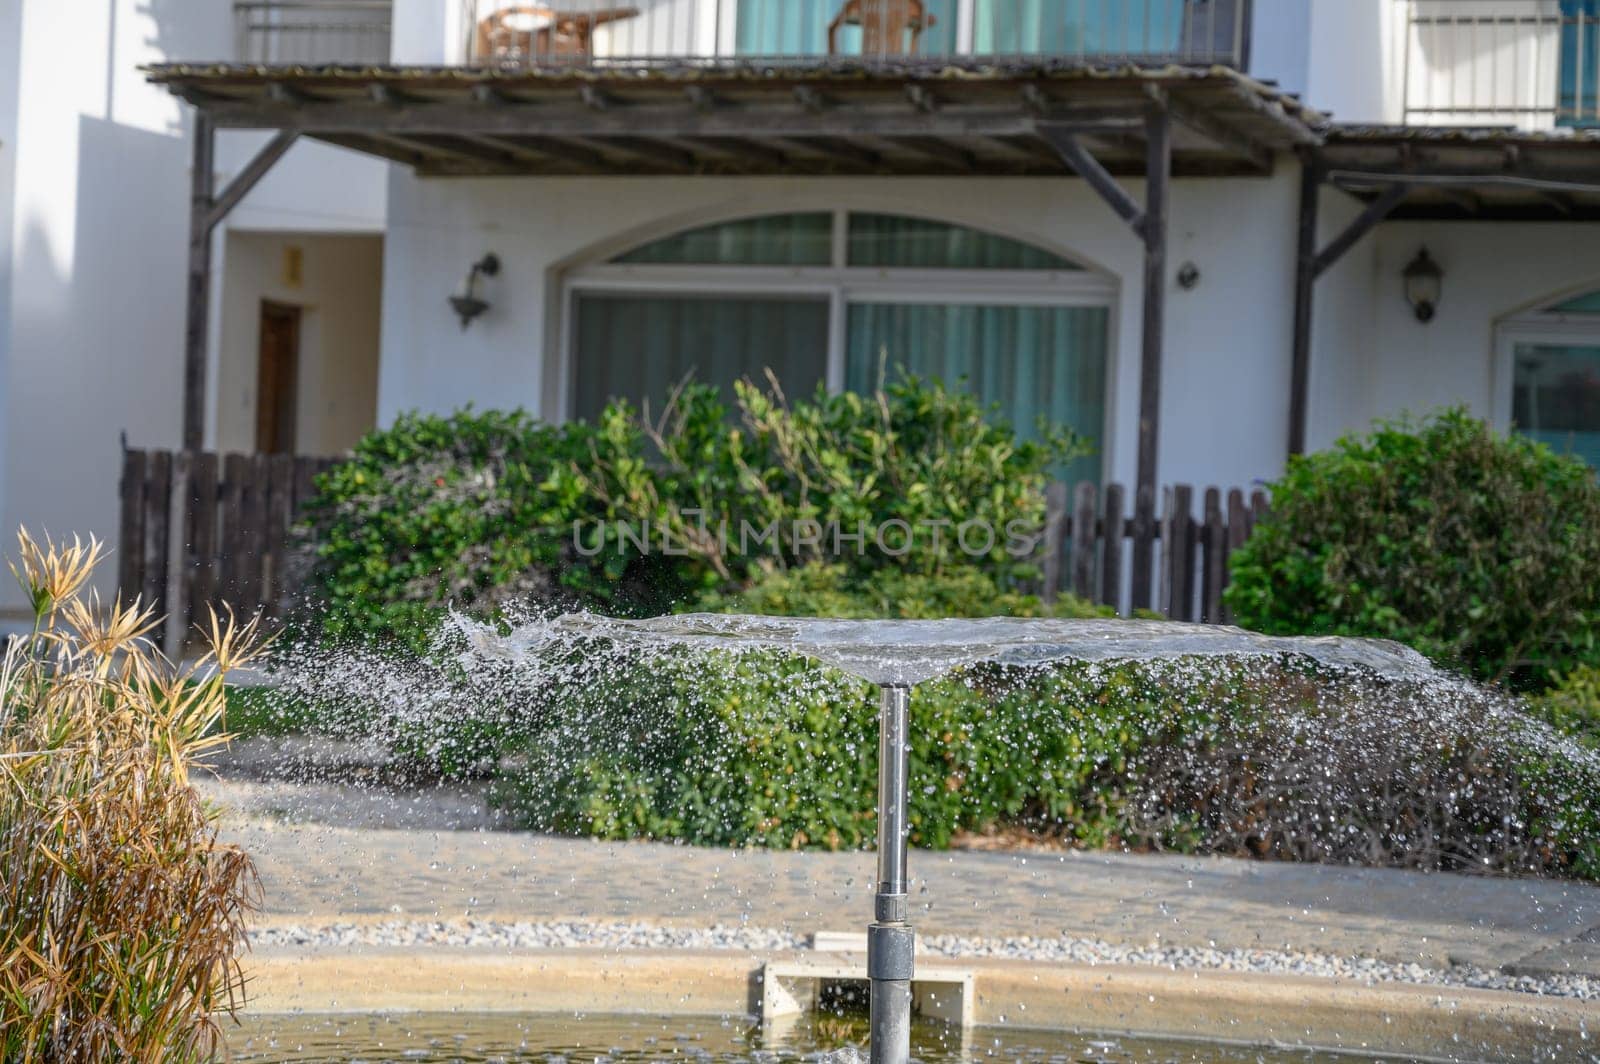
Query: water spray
<point x="891" y="944"/>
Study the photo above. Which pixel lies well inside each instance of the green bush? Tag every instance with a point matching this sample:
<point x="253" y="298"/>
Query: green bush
<point x="1246" y="758"/>
<point x="471" y="512"/>
<point x="833" y="590"/>
<point x="1572" y="705"/>
<point x="916" y="462"/>
<point x="1482" y="551"/>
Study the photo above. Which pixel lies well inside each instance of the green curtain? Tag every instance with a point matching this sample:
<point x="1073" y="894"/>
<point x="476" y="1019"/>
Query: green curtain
<point x="891" y="240"/>
<point x="1028" y="362"/>
<point x="800" y="27"/>
<point x="640" y="347"/>
<point x="1078" y="27"/>
<point x="1556" y="397"/>
<point x="773" y="240"/>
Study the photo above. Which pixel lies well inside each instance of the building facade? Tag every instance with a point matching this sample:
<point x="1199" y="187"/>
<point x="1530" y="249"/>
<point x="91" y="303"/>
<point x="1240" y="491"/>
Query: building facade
<point x="831" y="190"/>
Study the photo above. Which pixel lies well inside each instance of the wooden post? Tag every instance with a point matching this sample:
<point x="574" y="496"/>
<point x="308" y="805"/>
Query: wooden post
<point x="1158" y="171"/>
<point x="203" y="187"/>
<point x="179" y="536"/>
<point x="157" y="528"/>
<point x="1305" y="286"/>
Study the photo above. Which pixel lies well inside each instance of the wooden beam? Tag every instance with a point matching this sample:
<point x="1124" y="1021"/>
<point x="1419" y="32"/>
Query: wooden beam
<point x="249" y="177"/>
<point x="834" y="151"/>
<point x="1376" y="211"/>
<point x="922" y="98"/>
<point x="1562" y="202"/>
<point x="940" y="151"/>
<point x="424" y="150"/>
<point x="1088" y="167"/>
<point x="202" y="198"/>
<point x="540" y="150"/>
<point x="654" y="151"/>
<point x="1305" y="278"/>
<point x="1223" y="134"/>
<point x="745" y="151"/>
<point x="810" y="99"/>
<point x="683" y="120"/>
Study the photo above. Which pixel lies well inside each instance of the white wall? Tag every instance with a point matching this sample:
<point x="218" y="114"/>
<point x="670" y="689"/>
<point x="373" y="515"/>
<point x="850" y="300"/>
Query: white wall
<point x="1227" y="362"/>
<point x="1491" y="272"/>
<point x="339" y="294"/>
<point x="94" y="217"/>
<point x="1280" y="43"/>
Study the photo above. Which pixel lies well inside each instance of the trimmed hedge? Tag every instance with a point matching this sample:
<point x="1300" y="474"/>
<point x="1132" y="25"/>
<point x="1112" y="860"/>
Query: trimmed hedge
<point x="1480" y="550"/>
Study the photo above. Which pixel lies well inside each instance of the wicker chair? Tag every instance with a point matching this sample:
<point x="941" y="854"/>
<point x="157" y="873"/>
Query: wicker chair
<point x="520" y="34"/>
<point x="888" y="27"/>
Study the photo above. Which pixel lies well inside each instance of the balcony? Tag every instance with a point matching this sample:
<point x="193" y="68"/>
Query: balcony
<point x="1530" y="64"/>
<point x="312" y="32"/>
<point x="621" y="33"/>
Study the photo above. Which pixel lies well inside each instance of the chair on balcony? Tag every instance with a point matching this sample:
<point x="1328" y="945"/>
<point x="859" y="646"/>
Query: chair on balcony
<point x="888" y="27"/>
<point x="524" y="33"/>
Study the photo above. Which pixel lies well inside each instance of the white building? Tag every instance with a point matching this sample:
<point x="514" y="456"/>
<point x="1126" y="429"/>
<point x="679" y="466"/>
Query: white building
<point x="675" y="185"/>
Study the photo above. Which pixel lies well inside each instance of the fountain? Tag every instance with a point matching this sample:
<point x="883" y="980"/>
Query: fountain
<point x="895" y="655"/>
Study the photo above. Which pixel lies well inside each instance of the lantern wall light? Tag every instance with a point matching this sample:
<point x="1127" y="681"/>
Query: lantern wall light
<point x="1424" y="285"/>
<point x="467" y="304"/>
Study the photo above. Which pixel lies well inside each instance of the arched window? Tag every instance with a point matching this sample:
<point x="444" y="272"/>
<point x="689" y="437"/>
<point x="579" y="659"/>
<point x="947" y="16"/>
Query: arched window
<point x="1554" y="366"/>
<point x="846" y="300"/>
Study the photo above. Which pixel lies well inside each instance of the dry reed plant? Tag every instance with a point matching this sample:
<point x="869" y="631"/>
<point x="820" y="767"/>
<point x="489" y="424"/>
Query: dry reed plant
<point x="121" y="915"/>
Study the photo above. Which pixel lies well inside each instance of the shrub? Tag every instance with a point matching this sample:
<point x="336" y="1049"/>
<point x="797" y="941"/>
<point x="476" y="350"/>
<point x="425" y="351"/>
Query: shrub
<point x="916" y="462"/>
<point x="468" y="512"/>
<point x="1481" y="551"/>
<point x="1246" y="758"/>
<point x="833" y="590"/>
<point x="120" y="912"/>
<point x="1572" y="705"/>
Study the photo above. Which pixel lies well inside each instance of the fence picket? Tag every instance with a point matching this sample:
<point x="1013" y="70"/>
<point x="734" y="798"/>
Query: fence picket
<point x="1055" y="520"/>
<point x="1113" y="531"/>
<point x="157" y="500"/>
<point x="130" y="529"/>
<point x="1144" y="534"/>
<point x="1214" y="553"/>
<point x="1084" y="536"/>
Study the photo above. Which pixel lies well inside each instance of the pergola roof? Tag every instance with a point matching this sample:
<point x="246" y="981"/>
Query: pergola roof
<point x="828" y="117"/>
<point x="1463" y="173"/>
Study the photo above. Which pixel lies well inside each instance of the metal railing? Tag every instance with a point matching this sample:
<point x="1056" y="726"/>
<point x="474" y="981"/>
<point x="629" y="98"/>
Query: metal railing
<point x="278" y="32"/>
<point x="1525" y="63"/>
<point x="514" y="33"/>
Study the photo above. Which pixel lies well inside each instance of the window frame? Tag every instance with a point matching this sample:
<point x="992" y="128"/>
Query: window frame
<point x="841" y="285"/>
<point x="1536" y="327"/>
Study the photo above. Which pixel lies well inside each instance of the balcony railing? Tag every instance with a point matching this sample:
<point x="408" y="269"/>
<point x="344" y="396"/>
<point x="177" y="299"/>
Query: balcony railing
<point x="1525" y="63"/>
<point x="655" y="32"/>
<point x="276" y="32"/>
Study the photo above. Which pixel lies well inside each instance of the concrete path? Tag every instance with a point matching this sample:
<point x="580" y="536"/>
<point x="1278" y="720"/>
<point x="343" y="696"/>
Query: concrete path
<point x="319" y="871"/>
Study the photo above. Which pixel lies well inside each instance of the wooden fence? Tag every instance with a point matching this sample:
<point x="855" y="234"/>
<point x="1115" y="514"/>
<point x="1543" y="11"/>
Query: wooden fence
<point x="1165" y="559"/>
<point x="233" y="515"/>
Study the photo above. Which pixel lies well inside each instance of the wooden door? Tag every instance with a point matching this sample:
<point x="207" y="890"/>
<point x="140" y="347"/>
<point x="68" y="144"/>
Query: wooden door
<point x="277" y="378"/>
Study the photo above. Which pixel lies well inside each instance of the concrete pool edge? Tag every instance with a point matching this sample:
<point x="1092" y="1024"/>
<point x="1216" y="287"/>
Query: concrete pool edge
<point x="1390" y="1018"/>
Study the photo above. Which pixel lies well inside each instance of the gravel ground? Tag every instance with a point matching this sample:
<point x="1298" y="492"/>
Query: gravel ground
<point x="625" y="936"/>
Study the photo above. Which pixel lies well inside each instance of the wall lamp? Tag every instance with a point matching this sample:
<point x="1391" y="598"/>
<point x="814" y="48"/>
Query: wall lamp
<point x="467" y="303"/>
<point x="1424" y="282"/>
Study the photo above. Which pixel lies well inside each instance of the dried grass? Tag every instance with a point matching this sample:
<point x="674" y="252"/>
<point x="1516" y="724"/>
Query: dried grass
<point x="121" y="915"/>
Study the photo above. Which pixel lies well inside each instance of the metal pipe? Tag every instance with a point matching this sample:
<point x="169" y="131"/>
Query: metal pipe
<point x="890" y="941"/>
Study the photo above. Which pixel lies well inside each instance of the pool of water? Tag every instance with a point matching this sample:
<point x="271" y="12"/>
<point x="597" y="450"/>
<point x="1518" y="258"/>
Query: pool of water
<point x="619" y="1039"/>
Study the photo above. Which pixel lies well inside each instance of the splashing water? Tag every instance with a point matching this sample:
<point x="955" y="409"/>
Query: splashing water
<point x="905" y="653"/>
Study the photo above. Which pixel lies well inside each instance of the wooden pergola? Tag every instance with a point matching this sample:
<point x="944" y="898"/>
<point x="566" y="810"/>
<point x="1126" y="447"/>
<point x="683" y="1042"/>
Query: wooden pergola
<point x="1023" y="118"/>
<point x="1431" y="174"/>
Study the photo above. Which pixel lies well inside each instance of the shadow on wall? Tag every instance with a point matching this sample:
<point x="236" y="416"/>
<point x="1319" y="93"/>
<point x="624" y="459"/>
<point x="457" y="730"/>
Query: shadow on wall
<point x="97" y="337"/>
<point x="183" y="31"/>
